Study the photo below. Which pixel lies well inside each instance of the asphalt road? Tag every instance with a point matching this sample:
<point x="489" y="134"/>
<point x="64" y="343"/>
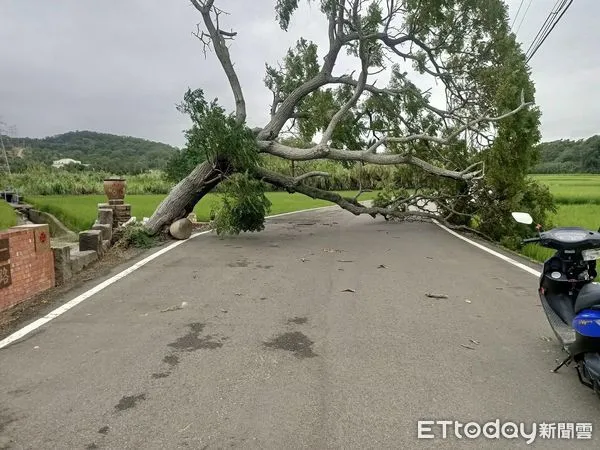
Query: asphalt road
<point x="269" y="351"/>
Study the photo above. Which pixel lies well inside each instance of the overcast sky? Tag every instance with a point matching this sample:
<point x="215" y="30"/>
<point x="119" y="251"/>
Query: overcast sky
<point x="121" y="66"/>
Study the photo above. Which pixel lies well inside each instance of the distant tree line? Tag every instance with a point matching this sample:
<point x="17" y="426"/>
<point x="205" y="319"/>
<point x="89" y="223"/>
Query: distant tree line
<point x="125" y="155"/>
<point x="567" y="156"/>
<point x="119" y="155"/>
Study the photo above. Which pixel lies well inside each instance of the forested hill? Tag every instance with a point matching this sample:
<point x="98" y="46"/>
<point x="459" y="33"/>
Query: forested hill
<point x="566" y="156"/>
<point x="130" y="155"/>
<point x="108" y="152"/>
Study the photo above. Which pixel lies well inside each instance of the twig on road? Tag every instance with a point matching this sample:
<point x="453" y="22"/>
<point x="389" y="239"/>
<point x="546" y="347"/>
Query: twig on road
<point x="436" y="295"/>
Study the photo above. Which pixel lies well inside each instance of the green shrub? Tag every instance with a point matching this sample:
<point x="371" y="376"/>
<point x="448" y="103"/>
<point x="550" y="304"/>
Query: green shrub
<point x="244" y="206"/>
<point x="135" y="235"/>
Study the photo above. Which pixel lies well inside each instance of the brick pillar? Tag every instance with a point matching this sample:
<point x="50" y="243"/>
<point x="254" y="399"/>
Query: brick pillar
<point x="27" y="268"/>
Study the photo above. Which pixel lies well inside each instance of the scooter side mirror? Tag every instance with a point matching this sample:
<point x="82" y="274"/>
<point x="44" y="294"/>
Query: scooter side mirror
<point x="523" y="217"/>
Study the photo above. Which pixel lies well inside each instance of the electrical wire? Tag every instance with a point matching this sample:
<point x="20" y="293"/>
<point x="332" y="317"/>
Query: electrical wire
<point x="534" y="48"/>
<point x="544" y="27"/>
<point x="523" y="18"/>
<point x="517" y="14"/>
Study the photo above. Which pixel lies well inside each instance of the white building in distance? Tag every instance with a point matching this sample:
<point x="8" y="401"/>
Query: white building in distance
<point x="65" y="161"/>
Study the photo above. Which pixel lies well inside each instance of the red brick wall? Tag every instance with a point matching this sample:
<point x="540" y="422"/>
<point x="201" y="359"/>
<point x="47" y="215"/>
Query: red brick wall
<point x="31" y="262"/>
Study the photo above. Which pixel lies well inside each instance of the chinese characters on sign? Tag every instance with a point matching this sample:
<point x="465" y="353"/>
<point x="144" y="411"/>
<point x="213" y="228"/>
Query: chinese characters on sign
<point x="4" y="250"/>
<point x="5" y="277"/>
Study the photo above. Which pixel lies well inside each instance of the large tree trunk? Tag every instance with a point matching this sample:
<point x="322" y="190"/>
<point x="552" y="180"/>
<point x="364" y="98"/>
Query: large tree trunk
<point x="186" y="194"/>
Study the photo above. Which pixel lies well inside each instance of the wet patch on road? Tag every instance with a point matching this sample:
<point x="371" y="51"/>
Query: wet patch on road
<point x="128" y="402"/>
<point x="192" y="341"/>
<point x="6" y="418"/>
<point x="18" y="392"/>
<point x="171" y="360"/>
<point x="298" y="320"/>
<point x="239" y="263"/>
<point x="294" y="342"/>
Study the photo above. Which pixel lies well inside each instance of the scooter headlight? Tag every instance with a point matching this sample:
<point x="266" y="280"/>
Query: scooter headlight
<point x="591" y="255"/>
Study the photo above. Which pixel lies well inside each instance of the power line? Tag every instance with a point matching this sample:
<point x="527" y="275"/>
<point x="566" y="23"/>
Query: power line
<point x="517" y="14"/>
<point x="545" y="26"/>
<point x="564" y="6"/>
<point x="523" y="18"/>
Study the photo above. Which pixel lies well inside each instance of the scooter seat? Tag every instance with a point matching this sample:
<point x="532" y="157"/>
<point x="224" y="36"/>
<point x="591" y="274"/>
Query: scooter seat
<point x="588" y="297"/>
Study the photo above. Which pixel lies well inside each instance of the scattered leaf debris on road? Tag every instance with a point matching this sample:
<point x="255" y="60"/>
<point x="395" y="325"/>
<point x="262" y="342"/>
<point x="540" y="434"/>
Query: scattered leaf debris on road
<point x="174" y="308"/>
<point x="436" y="295"/>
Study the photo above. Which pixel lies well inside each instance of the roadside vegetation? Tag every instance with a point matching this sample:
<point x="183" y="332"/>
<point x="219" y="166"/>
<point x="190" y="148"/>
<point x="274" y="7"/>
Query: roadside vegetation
<point x="78" y="212"/>
<point x="72" y="193"/>
<point x="8" y="217"/>
<point x="73" y="196"/>
<point x="578" y="204"/>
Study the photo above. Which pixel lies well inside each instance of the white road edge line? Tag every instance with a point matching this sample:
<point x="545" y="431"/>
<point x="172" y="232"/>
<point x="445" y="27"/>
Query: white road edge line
<point x="490" y="251"/>
<point x="82" y="297"/>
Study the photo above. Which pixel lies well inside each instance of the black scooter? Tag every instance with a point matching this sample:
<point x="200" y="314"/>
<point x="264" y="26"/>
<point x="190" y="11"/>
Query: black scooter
<point x="570" y="297"/>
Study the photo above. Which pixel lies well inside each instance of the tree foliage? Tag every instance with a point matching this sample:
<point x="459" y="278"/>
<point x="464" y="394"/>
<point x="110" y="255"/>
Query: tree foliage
<point x="244" y="206"/>
<point x="569" y="156"/>
<point x="214" y="135"/>
<point x="455" y="117"/>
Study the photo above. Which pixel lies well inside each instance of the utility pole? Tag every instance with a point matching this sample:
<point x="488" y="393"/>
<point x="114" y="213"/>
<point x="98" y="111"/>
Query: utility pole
<point x="6" y="164"/>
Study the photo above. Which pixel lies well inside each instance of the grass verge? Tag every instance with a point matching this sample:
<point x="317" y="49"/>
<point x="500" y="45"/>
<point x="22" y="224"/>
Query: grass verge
<point x="78" y="212"/>
<point x="8" y="216"/>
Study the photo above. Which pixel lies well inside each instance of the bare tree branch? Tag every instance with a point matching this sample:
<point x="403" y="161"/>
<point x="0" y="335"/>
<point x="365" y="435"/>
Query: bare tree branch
<point x="448" y="139"/>
<point x="360" y="86"/>
<point x="351" y="204"/>
<point x="452" y="113"/>
<point x="222" y="52"/>
<point x="229" y="34"/>
<point x="287" y="106"/>
<point x="370" y="156"/>
<point x="306" y="175"/>
<point x="321" y="152"/>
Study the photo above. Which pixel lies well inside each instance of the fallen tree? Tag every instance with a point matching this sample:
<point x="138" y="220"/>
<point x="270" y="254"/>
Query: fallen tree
<point x="486" y="119"/>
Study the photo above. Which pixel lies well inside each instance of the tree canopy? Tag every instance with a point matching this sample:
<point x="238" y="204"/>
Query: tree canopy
<point x="569" y="156"/>
<point x="456" y="117"/>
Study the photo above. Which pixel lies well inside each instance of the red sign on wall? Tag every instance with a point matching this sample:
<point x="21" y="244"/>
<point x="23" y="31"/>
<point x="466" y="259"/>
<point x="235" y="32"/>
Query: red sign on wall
<point x="42" y="240"/>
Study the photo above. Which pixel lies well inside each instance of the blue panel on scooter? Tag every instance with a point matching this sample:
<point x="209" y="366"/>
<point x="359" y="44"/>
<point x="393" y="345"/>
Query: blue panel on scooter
<point x="587" y="323"/>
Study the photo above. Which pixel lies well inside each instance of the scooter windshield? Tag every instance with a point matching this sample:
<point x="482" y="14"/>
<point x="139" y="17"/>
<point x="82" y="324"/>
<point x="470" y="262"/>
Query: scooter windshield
<point x="570" y="235"/>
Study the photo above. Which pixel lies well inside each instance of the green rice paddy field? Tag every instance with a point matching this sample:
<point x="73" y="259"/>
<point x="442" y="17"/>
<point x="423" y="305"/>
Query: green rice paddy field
<point x="578" y="202"/>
